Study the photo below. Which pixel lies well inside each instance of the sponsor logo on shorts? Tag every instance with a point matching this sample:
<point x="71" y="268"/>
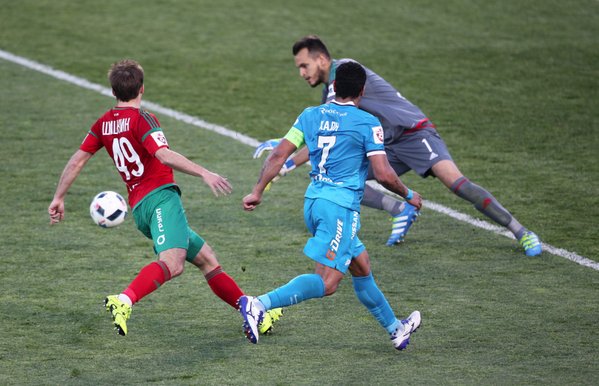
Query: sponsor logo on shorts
<point x="334" y="244"/>
<point x="354" y="224"/>
<point x="161" y="238"/>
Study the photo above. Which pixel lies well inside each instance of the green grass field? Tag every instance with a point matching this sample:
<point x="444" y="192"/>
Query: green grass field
<point x="513" y="88"/>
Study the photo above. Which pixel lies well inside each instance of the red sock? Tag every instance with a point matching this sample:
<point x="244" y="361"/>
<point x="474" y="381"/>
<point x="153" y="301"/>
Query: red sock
<point x="148" y="280"/>
<point x="224" y="286"/>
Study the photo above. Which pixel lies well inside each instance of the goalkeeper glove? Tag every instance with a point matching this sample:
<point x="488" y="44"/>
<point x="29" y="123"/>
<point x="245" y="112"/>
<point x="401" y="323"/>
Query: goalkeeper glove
<point x="288" y="166"/>
<point x="266" y="146"/>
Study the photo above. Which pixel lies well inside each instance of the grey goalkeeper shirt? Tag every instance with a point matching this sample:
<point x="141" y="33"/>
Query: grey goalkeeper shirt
<point x="382" y="100"/>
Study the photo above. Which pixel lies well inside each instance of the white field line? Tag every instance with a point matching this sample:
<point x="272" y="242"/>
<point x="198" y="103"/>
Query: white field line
<point x="83" y="83"/>
<point x="495" y="229"/>
<point x="195" y="121"/>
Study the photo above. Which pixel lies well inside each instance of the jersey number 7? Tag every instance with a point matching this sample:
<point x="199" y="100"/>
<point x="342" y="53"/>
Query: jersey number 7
<point x="325" y="143"/>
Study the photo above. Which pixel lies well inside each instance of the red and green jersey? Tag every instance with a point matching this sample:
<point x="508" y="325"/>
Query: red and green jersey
<point x="131" y="137"/>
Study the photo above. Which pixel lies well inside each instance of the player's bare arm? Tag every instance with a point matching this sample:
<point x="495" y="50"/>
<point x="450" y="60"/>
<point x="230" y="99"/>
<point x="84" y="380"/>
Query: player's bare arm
<point x="68" y="176"/>
<point x="179" y="162"/>
<point x="386" y="176"/>
<point x="301" y="157"/>
<point x="270" y="169"/>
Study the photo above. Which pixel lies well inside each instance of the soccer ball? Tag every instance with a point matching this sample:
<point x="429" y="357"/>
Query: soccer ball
<point x="108" y="209"/>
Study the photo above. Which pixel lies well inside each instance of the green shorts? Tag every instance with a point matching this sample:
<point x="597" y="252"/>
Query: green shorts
<point x="160" y="216"/>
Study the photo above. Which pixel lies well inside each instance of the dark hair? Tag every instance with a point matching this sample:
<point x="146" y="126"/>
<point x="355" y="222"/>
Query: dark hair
<point x="126" y="78"/>
<point x="350" y="78"/>
<point x="313" y="44"/>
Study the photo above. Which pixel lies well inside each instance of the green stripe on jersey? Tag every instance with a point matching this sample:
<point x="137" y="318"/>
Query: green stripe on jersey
<point x="150" y="132"/>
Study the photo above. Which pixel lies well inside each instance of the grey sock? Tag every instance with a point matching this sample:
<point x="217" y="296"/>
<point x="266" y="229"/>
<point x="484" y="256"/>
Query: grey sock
<point x="377" y="200"/>
<point x="488" y="205"/>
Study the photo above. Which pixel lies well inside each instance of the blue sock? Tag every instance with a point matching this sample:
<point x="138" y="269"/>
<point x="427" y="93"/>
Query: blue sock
<point x="265" y="300"/>
<point x="373" y="299"/>
<point x="300" y="288"/>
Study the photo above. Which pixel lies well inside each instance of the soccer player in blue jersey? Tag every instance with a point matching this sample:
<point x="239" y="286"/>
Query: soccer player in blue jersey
<point x="342" y="141"/>
<point x="411" y="143"/>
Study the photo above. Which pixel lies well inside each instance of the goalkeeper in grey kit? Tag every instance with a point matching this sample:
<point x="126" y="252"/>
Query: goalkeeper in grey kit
<point x="411" y="143"/>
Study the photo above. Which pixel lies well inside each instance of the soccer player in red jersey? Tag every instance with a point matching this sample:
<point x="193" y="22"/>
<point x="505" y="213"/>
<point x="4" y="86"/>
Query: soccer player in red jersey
<point x="136" y="143"/>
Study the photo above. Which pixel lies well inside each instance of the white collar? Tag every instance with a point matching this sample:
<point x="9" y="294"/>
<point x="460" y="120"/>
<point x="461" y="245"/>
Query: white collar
<point x="350" y="103"/>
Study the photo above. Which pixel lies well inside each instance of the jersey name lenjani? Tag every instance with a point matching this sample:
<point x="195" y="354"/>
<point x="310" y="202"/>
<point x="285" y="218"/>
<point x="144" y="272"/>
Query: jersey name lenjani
<point x="115" y="127"/>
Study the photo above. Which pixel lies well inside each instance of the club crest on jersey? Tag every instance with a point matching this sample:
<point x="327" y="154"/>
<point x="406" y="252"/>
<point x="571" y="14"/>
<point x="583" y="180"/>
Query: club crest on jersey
<point x="378" y="135"/>
<point x="159" y="138"/>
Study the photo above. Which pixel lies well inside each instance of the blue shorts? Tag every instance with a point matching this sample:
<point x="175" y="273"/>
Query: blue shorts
<point x="160" y="216"/>
<point x="334" y="229"/>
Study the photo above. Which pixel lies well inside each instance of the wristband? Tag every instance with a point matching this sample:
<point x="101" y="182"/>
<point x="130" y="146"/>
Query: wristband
<point x="289" y="164"/>
<point x="410" y="195"/>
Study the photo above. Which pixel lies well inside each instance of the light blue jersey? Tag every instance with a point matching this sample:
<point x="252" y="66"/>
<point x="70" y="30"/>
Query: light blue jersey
<point x="340" y="138"/>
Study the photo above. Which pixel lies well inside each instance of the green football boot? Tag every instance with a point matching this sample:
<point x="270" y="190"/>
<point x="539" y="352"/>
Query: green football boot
<point x="120" y="312"/>
<point x="531" y="244"/>
<point x="270" y="317"/>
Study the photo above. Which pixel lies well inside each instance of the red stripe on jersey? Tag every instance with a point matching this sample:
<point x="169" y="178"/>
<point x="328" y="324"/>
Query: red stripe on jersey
<point x="422" y="124"/>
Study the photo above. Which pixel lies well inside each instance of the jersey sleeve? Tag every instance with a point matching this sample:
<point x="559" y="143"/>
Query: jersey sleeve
<point x="374" y="138"/>
<point x="295" y="135"/>
<point x="92" y="143"/>
<point x="151" y="134"/>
